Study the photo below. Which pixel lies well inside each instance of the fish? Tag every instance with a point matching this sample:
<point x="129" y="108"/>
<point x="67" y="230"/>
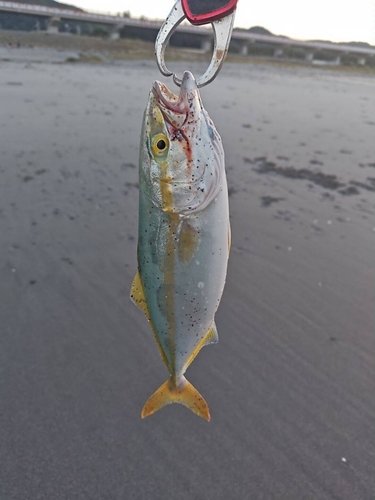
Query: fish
<point x="183" y="235"/>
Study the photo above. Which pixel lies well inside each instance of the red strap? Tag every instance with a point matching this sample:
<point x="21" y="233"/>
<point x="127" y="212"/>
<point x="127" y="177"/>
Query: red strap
<point x="206" y="11"/>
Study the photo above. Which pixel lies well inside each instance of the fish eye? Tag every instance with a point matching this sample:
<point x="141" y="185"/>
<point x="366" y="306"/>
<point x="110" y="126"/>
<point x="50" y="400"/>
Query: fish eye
<point x="160" y="144"/>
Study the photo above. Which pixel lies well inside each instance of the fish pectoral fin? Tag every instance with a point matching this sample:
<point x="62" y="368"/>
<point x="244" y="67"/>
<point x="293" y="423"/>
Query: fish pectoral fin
<point x="183" y="393"/>
<point x="188" y="242"/>
<point x="137" y="294"/>
<point x="212" y="336"/>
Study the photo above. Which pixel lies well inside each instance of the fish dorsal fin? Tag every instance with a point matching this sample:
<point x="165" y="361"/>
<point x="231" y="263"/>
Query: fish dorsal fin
<point x="212" y="336"/>
<point x="137" y="295"/>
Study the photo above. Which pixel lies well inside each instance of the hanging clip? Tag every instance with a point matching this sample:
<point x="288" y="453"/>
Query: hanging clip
<point x="198" y="13"/>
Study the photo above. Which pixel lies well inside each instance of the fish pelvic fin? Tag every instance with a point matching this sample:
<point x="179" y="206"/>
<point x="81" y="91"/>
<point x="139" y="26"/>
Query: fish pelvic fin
<point x="182" y="392"/>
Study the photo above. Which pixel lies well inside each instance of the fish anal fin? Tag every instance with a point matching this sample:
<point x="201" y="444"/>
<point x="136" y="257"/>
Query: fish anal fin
<point x="211" y="337"/>
<point x="182" y="392"/>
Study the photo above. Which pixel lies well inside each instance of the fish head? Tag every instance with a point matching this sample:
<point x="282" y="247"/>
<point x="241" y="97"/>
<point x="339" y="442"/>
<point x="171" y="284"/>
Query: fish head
<point x="183" y="160"/>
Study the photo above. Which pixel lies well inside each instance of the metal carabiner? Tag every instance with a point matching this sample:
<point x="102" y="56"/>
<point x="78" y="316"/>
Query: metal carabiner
<point x="222" y="29"/>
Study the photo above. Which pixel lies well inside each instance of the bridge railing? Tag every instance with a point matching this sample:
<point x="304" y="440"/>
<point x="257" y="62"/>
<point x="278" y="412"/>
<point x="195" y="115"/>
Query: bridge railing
<point x="55" y="11"/>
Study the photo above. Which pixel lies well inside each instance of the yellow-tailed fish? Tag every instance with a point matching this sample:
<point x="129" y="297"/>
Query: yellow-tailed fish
<point x="184" y="235"/>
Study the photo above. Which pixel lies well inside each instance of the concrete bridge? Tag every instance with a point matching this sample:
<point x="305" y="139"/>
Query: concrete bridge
<point x="53" y="19"/>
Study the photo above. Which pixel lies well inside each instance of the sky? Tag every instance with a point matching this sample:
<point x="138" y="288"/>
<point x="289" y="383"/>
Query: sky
<point x="335" y="20"/>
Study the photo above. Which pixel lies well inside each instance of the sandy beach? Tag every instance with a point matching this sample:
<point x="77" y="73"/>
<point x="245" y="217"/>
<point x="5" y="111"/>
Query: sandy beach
<point x="291" y="383"/>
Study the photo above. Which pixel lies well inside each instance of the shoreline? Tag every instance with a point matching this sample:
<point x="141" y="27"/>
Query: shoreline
<point x="89" y="49"/>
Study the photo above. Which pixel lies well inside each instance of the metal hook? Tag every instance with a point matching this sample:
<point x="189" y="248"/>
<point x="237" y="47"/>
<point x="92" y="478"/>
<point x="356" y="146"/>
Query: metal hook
<point x="222" y="29"/>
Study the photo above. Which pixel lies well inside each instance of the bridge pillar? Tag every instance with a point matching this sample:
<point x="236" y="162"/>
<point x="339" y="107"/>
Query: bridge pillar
<point x="53" y="25"/>
<point x="278" y="52"/>
<point x="244" y="49"/>
<point x="206" y="44"/>
<point x="337" y="61"/>
<point x="309" y="57"/>
<point x="114" y="33"/>
<point x="361" y="61"/>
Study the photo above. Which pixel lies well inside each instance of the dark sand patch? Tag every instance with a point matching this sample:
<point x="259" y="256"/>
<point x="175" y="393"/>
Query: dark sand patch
<point x="270" y="200"/>
<point x="263" y="166"/>
<point x="370" y="186"/>
<point x="349" y="191"/>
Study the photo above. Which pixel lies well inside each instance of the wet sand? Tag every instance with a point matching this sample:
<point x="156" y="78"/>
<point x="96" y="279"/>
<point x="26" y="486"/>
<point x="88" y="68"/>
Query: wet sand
<point x="290" y="385"/>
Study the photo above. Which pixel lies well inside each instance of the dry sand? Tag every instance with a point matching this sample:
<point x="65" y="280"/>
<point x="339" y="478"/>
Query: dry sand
<point x="290" y="384"/>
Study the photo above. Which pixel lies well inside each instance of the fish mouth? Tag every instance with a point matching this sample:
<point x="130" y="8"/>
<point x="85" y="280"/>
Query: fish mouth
<point x="177" y="109"/>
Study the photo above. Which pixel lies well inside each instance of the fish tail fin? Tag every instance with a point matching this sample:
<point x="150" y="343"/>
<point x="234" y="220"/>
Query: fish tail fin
<point x="171" y="392"/>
